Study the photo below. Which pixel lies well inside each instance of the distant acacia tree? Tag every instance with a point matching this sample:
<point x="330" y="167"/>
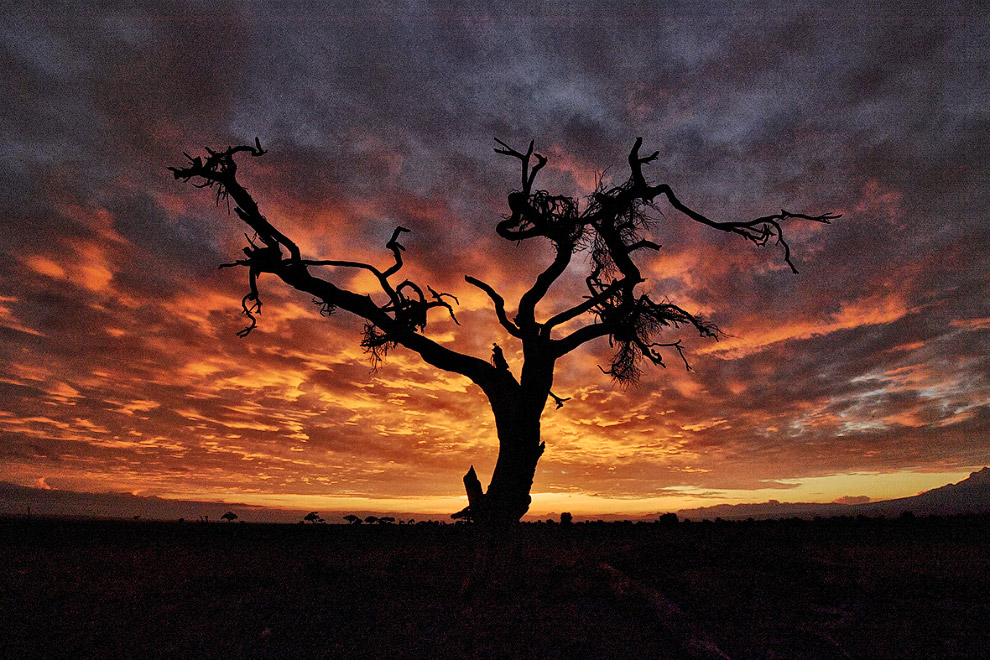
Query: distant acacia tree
<point x="610" y="226"/>
<point x="312" y="517"/>
<point x="352" y="519"/>
<point x="230" y="516"/>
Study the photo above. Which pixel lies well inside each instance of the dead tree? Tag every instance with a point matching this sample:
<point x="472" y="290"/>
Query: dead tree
<point x="612" y="226"/>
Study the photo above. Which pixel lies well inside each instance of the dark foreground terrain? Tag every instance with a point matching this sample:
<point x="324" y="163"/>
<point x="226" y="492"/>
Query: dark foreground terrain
<point x="827" y="589"/>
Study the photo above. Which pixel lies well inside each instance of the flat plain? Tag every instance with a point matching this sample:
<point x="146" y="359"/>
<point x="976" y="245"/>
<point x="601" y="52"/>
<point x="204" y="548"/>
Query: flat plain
<point x="833" y="588"/>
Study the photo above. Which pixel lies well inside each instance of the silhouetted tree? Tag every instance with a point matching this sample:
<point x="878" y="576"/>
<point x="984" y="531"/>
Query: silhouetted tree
<point x="667" y="519"/>
<point x="353" y="520"/>
<point x="566" y="519"/>
<point x="610" y="226"/>
<point x="371" y="520"/>
<point x="229" y="516"/>
<point x="312" y="517"/>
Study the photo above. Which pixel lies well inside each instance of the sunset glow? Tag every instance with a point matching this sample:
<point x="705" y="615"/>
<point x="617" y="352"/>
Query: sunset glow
<point x="866" y="374"/>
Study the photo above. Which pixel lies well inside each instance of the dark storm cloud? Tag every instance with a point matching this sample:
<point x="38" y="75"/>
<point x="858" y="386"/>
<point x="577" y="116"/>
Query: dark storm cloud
<point x="119" y="356"/>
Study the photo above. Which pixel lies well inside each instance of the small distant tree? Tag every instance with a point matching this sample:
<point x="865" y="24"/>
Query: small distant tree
<point x="611" y="227"/>
<point x="566" y="518"/>
<point x="353" y="520"/>
<point x="668" y="519"/>
<point x="229" y="516"/>
<point x="312" y="517"/>
<point x="386" y="520"/>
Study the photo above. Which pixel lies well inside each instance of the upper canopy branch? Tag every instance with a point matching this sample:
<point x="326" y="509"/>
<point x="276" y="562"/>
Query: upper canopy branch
<point x="219" y="170"/>
<point x="393" y="245"/>
<point x="612" y="224"/>
<point x="382" y="280"/>
<point x="590" y="302"/>
<point x="537" y="213"/>
<point x="396" y="247"/>
<point x="758" y="231"/>
<point x="526" y="316"/>
<point x="527" y="176"/>
<point x="399" y="321"/>
<point x="499" y="301"/>
<point x="612" y="227"/>
<point x="636" y="163"/>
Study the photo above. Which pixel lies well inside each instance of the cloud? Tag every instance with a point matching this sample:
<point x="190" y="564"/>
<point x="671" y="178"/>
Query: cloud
<point x="118" y="359"/>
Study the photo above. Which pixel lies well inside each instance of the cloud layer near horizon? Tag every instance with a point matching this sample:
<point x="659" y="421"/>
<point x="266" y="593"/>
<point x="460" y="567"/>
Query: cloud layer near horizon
<point x="119" y="367"/>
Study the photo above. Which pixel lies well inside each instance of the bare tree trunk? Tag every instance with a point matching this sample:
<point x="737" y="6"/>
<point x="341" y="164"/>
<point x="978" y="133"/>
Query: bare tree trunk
<point x="517" y="421"/>
<point x="498" y="510"/>
<point x="508" y="497"/>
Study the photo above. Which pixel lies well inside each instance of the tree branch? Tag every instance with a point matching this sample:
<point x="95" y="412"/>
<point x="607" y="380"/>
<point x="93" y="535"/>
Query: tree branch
<point x="499" y="306"/>
<point x="526" y="316"/>
<point x="219" y="170"/>
<point x="396" y="248"/>
<point x="397" y="322"/>
<point x="382" y="278"/>
<point x="438" y="301"/>
<point x="584" y="334"/>
<point x="758" y="231"/>
<point x="589" y="303"/>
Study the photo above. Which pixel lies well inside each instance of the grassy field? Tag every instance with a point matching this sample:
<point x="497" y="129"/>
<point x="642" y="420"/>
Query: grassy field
<point x="792" y="589"/>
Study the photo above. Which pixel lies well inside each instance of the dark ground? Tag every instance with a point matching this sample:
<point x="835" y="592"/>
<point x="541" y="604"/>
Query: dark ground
<point x="828" y="589"/>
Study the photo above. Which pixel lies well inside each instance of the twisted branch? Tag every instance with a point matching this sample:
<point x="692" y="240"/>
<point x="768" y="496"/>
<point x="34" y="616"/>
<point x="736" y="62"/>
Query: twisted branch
<point x="499" y="302"/>
<point x="397" y="321"/>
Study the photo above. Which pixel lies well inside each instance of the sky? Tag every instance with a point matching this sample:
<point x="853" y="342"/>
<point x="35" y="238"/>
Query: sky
<point x="865" y="375"/>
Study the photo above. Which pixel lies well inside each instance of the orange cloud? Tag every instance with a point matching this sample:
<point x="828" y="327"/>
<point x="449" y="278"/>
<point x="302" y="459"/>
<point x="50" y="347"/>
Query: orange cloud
<point x="852" y="314"/>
